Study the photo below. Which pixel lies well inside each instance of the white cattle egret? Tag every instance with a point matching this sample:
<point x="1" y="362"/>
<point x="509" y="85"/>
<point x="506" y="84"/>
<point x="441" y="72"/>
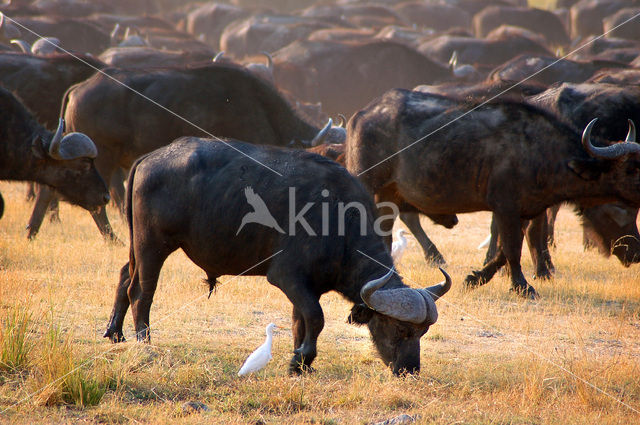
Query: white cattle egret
<point x="398" y="246"/>
<point x="485" y="243"/>
<point x="259" y="358"/>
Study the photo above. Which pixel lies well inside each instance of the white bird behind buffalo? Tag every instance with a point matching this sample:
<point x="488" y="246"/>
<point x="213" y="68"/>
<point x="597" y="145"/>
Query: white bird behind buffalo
<point x="259" y="358"/>
<point x="399" y="245"/>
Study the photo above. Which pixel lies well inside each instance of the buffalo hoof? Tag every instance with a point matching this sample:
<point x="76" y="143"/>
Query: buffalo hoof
<point x="525" y="291"/>
<point x="114" y="336"/>
<point x="473" y="280"/>
<point x="435" y="260"/>
<point x="297" y="366"/>
<point x="543" y="275"/>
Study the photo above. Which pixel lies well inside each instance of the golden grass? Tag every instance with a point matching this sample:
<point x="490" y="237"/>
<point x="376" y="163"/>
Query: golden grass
<point x="491" y="358"/>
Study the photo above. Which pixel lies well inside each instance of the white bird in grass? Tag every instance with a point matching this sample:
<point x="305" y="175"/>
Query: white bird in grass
<point x="259" y="358"/>
<point x="398" y="246"/>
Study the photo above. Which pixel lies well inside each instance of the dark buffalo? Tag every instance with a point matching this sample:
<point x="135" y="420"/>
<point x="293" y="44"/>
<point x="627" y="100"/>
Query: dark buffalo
<point x="30" y="76"/>
<point x="210" y="20"/>
<point x="507" y="157"/>
<point x="611" y="228"/>
<point x="29" y="152"/>
<point x="587" y="15"/>
<point x="211" y="99"/>
<point x="346" y="76"/>
<point x="439" y="17"/>
<point x="259" y="33"/>
<point x="411" y="219"/>
<point x="538" y="20"/>
<point x="622" y="77"/>
<point x="180" y="197"/>
<point x="148" y="57"/>
<point x="549" y="70"/>
<point x="623" y="24"/>
<point x="77" y="35"/>
<point x="480" y="51"/>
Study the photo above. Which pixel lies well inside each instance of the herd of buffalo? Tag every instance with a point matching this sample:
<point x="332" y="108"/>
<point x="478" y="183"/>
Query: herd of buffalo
<point x="216" y="110"/>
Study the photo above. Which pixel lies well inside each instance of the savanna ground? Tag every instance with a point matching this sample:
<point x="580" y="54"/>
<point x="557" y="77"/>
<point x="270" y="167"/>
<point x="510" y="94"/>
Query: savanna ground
<point x="491" y="358"/>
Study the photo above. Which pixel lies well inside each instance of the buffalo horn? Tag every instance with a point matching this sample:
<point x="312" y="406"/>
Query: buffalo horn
<point x="609" y="152"/>
<point x="631" y="135"/>
<point x="322" y="134"/>
<point x="23" y="45"/>
<point x="269" y="61"/>
<point x="218" y="56"/>
<point x="405" y="304"/>
<point x="436" y="291"/>
<point x="71" y="146"/>
<point x="343" y="120"/>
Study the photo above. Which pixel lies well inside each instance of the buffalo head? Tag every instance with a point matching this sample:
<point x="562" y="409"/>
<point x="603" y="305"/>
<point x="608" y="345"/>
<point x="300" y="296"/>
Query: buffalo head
<point x="616" y="167"/>
<point x="68" y="164"/>
<point x="397" y="318"/>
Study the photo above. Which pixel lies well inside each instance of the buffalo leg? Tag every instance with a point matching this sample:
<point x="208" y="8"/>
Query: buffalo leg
<point x="44" y="196"/>
<point x="511" y="235"/>
<point x="31" y="191"/>
<point x="536" y="234"/>
<point x="491" y="267"/>
<point x="297" y="328"/>
<point x="431" y="253"/>
<point x="493" y="242"/>
<point x="552" y="214"/>
<point x="144" y="280"/>
<point x="120" y="307"/>
<point x="117" y="189"/>
<point x="1" y="205"/>
<point x="54" y="208"/>
<point x="308" y="318"/>
<point x="102" y="221"/>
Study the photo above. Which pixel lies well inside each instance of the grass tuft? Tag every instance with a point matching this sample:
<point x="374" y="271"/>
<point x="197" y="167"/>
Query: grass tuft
<point x="15" y="341"/>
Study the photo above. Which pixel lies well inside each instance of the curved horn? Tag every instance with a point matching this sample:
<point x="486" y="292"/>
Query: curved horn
<point x="115" y="31"/>
<point x="631" y="135"/>
<point x="436" y="291"/>
<point x="322" y="134"/>
<point x="54" y="145"/>
<point x="343" y="120"/>
<point x="373" y="285"/>
<point x="404" y="304"/>
<point x="453" y="62"/>
<point x="218" y="56"/>
<point x="609" y="152"/>
<point x="23" y="45"/>
<point x="269" y="61"/>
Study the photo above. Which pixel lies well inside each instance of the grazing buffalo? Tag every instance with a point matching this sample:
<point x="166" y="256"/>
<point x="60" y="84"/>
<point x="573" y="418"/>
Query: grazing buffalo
<point x="180" y="196"/>
<point x="30" y="76"/>
<point x="505" y="156"/>
<point x="29" y="152"/>
<point x="134" y="111"/>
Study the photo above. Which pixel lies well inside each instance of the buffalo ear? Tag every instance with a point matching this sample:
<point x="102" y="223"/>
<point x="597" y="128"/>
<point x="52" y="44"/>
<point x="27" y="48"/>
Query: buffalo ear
<point x="360" y="315"/>
<point x="586" y="169"/>
<point x="37" y="149"/>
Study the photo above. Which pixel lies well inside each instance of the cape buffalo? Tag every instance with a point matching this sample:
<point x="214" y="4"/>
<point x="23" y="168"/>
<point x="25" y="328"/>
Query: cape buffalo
<point x="504" y="156"/>
<point x="180" y="196"/>
<point x="29" y="152"/>
<point x="129" y="112"/>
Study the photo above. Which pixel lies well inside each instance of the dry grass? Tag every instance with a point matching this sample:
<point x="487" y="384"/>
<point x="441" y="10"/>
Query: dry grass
<point x="491" y="358"/>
